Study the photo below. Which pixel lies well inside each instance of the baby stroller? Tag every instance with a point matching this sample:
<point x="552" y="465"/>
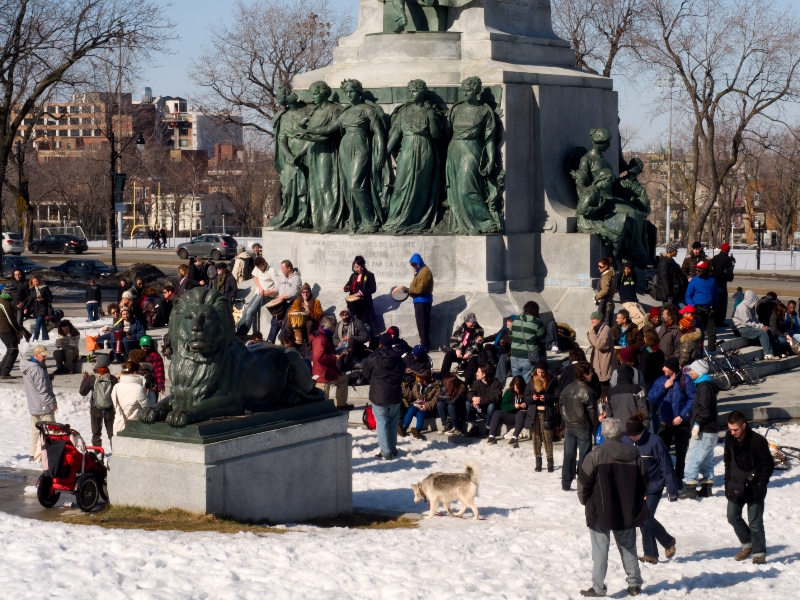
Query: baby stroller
<point x="70" y="466"/>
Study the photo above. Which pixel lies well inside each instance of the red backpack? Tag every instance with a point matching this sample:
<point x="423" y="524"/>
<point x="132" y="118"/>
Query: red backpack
<point x="368" y="418"/>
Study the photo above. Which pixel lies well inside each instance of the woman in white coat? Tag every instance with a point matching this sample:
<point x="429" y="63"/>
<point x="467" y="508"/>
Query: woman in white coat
<point x="128" y="396"/>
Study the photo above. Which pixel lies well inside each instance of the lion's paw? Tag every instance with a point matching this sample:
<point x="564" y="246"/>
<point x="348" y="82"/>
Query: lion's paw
<point x="178" y="418"/>
<point x="148" y="415"/>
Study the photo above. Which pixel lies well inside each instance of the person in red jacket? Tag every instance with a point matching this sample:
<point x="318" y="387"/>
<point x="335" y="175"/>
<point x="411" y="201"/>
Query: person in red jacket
<point x="323" y="363"/>
<point x="154" y="359"/>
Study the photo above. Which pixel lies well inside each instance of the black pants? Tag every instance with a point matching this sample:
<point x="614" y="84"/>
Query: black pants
<point x="12" y="351"/>
<point x="98" y="418"/>
<point x="721" y="312"/>
<point x="469" y="371"/>
<point x="606" y="308"/>
<point x="501" y="416"/>
<point x="422" y="313"/>
<point x="706" y="316"/>
<point x="680" y="435"/>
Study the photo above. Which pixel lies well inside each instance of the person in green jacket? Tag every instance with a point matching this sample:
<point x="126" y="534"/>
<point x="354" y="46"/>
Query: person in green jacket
<point x="513" y="409"/>
<point x="528" y="337"/>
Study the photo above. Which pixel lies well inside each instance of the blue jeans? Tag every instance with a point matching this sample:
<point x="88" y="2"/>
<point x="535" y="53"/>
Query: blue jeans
<point x="750" y="534"/>
<point x="420" y="414"/>
<point x="502" y="368"/>
<point x="93" y="310"/>
<point x="457" y="414"/>
<point x="486" y="411"/>
<point x="386" y="418"/>
<point x="574" y="440"/>
<point x="751" y="333"/>
<point x="700" y="458"/>
<point x="521" y="366"/>
<point x="41" y="325"/>
<point x="652" y="531"/>
<point x="249" y="313"/>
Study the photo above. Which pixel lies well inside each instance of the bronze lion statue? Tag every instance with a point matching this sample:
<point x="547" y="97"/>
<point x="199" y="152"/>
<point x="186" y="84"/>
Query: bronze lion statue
<point x="214" y="374"/>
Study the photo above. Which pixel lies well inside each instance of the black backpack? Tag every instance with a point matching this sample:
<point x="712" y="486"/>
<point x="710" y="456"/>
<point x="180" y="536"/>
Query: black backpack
<point x="249" y="265"/>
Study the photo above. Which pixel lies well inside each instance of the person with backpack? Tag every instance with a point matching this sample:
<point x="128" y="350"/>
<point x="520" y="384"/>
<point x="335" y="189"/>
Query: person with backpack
<point x="626" y="287"/>
<point x="98" y="387"/>
<point x="153" y="358"/>
<point x="241" y="271"/>
<point x="705" y="431"/>
<point x="670" y="284"/>
<point x="384" y="370"/>
<point x="128" y="397"/>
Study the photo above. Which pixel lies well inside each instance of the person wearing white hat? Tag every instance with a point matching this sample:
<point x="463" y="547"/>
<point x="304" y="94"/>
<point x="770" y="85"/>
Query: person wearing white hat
<point x="705" y="431"/>
<point x="38" y="384"/>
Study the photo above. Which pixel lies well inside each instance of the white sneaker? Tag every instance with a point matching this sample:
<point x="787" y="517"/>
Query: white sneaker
<point x="509" y="434"/>
<point x="554" y="349"/>
<point x="770" y="357"/>
<point x="524" y="435"/>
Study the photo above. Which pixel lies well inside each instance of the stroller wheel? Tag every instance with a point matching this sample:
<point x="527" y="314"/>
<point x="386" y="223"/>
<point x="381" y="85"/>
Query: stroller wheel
<point x="44" y="492"/>
<point x="87" y="492"/>
<point x="103" y="487"/>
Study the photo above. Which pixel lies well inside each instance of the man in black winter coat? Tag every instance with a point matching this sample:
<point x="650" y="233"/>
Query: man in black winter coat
<point x="612" y="485"/>
<point x="384" y="370"/>
<point x="578" y="404"/>
<point x="671" y="280"/>
<point x="722" y="266"/>
<point x="748" y="467"/>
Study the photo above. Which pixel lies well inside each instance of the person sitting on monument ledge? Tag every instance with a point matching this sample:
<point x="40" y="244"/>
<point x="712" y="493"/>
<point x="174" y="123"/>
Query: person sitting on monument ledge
<point x="288" y="284"/>
<point x="464" y="346"/>
<point x="500" y="348"/>
<point x="324" y="369"/>
<point x="483" y="397"/>
<point x="349" y="339"/>
<point x="265" y="279"/>
<point x="308" y="304"/>
<point x="416" y="361"/>
<point x="421" y="398"/>
<point x="399" y="345"/>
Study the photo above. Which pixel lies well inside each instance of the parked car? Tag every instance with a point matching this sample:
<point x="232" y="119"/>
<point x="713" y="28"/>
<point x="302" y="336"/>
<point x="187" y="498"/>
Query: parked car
<point x="215" y="246"/>
<point x="61" y="242"/>
<point x="84" y="268"/>
<point x="12" y="243"/>
<point x="23" y="263"/>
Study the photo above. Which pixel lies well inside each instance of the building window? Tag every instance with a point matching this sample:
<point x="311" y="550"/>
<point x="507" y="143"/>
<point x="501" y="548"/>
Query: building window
<point x="69" y="145"/>
<point x="197" y="207"/>
<point x="72" y="109"/>
<point x="97" y="133"/>
<point x="58" y="145"/>
<point x="664" y="175"/>
<point x="184" y="143"/>
<point x="74" y="132"/>
<point x="74" y="121"/>
<point x="197" y="224"/>
<point x="213" y="222"/>
<point x="756" y="199"/>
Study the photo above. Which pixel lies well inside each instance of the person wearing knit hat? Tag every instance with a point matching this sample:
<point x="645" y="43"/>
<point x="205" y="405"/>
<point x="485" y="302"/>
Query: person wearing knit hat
<point x="100" y="382"/>
<point x="703" y="294"/>
<point x="673" y="393"/>
<point x="722" y="266"/>
<point x="690" y="344"/>
<point x="705" y="430"/>
<point x="463" y="348"/>
<point x="655" y="317"/>
<point x="399" y="345"/>
<point x="596" y="316"/>
<point x="670" y="280"/>
<point x="661" y="474"/>
<point x="687" y="322"/>
<point x="416" y="361"/>
<point x="693" y="256"/>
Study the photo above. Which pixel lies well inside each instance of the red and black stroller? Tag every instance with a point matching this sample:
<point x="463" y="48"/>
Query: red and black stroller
<point x="70" y="466"/>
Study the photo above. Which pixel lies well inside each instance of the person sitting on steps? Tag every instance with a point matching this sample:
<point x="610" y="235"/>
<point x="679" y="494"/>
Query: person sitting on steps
<point x="483" y="397"/>
<point x="421" y="398"/>
<point x="464" y="346"/>
<point x="513" y="410"/>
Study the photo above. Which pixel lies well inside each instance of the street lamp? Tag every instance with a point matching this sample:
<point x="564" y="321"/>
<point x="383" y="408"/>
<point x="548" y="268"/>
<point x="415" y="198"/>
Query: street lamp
<point x="118" y="189"/>
<point x="669" y="83"/>
<point x="759" y="229"/>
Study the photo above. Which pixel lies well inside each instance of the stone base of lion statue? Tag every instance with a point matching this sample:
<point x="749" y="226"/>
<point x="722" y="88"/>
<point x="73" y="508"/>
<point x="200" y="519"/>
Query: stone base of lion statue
<point x="283" y="465"/>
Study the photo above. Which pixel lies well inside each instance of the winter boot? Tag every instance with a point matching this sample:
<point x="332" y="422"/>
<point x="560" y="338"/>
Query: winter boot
<point x="689" y="492"/>
<point x="550" y="466"/>
<point x="513" y="442"/>
<point x="401" y="431"/>
<point x="705" y="488"/>
<point x="414" y="432"/>
<point x="491" y="440"/>
<point x="538" y="464"/>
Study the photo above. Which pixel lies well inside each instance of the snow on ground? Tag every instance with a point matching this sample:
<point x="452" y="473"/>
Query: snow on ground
<point x="534" y="543"/>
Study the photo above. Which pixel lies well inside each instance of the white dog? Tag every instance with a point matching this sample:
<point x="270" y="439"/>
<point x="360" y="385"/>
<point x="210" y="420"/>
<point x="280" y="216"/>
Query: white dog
<point x="445" y="488"/>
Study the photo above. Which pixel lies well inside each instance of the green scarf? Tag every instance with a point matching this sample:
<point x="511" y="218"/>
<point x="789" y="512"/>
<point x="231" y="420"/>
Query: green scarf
<point x="221" y="283"/>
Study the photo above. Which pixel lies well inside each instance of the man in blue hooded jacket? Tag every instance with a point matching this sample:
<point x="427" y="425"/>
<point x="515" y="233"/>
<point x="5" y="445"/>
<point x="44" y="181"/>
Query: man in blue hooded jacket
<point x="421" y="290"/>
<point x="661" y="474"/>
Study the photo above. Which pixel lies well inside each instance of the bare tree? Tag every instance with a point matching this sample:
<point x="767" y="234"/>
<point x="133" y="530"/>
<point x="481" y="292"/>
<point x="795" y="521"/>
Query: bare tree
<point x="44" y="43"/>
<point x="778" y="171"/>
<point x="266" y="44"/>
<point x="600" y="31"/>
<point x="736" y="61"/>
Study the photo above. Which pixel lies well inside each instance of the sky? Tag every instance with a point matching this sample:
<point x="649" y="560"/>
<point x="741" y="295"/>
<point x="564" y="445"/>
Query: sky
<point x="169" y="76"/>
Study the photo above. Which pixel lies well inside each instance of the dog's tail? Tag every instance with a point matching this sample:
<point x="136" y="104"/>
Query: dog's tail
<point x="474" y="473"/>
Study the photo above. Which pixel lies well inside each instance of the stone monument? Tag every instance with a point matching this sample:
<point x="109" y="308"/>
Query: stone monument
<point x="244" y="432"/>
<point x="480" y="105"/>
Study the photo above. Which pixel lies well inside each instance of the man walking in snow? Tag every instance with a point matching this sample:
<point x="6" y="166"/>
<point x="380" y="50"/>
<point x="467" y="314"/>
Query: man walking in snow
<point x="39" y="391"/>
<point x="612" y="485"/>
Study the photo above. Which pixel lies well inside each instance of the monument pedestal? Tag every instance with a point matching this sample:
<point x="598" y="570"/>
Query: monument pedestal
<point x="261" y="467"/>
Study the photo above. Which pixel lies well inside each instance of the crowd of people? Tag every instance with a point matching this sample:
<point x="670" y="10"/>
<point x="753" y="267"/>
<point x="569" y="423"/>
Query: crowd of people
<point x="643" y="391"/>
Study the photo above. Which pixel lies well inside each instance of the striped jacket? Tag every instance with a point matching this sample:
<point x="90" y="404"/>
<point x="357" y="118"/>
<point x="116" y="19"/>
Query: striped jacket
<point x="531" y="329"/>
